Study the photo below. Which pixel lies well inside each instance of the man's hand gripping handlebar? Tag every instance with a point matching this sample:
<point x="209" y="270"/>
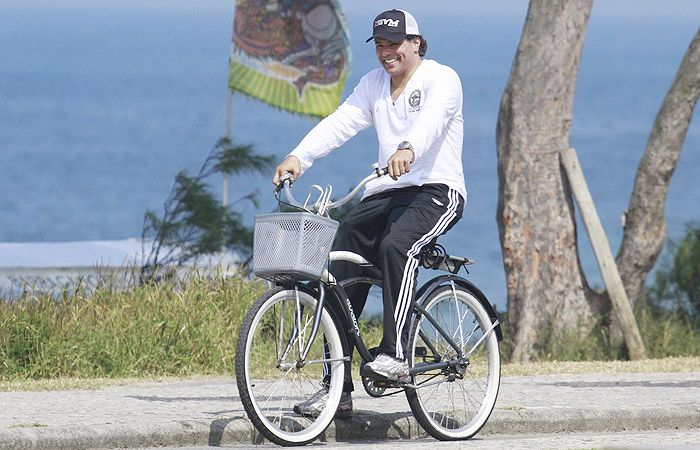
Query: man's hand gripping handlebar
<point x="290" y="165"/>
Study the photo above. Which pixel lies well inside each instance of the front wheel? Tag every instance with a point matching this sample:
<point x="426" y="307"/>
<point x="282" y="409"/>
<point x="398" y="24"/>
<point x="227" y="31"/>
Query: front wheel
<point x="454" y="402"/>
<point x="271" y="375"/>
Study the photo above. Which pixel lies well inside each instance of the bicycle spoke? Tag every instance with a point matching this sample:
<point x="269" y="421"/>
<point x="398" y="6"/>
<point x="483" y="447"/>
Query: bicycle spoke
<point x="460" y="319"/>
<point x="464" y="343"/>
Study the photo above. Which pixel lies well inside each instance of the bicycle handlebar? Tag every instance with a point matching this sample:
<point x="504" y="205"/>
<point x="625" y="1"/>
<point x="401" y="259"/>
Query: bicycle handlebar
<point x="287" y="180"/>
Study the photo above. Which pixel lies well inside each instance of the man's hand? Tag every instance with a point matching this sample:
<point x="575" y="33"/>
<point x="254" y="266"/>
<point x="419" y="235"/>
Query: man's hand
<point x="291" y="165"/>
<point x="400" y="162"/>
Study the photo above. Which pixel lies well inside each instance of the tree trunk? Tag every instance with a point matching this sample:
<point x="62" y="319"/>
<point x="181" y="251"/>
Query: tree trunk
<point x="546" y="286"/>
<point x="645" y="229"/>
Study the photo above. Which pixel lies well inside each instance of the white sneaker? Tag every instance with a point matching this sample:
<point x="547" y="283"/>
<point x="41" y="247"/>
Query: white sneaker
<point x="313" y="406"/>
<point x="388" y="367"/>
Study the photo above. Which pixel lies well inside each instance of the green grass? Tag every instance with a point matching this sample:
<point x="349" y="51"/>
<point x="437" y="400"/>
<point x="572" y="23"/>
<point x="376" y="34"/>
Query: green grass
<point x="165" y="329"/>
<point x="665" y="333"/>
<point x="189" y="329"/>
<point x="669" y="333"/>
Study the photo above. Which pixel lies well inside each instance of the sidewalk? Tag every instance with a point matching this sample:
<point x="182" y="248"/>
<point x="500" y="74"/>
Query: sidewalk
<point x="209" y="412"/>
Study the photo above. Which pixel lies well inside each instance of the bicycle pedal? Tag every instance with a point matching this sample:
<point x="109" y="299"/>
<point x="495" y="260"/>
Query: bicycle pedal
<point x="389" y="384"/>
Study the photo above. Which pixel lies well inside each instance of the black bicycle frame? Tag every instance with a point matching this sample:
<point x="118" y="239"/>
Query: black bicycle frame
<point x="341" y="310"/>
<point x="340" y="302"/>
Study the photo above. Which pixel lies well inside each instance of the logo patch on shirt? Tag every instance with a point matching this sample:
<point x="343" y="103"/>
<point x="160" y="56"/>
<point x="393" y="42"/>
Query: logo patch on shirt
<point x="414" y="101"/>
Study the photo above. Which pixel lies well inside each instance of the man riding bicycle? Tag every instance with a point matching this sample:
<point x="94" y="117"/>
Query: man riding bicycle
<point x="415" y="106"/>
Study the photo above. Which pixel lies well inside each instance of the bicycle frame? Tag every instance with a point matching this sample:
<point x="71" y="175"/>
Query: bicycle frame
<point x="339" y="302"/>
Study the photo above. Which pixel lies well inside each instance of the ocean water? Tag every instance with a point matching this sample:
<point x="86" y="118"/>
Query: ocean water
<point x="100" y="109"/>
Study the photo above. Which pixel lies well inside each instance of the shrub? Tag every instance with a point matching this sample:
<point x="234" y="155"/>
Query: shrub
<point x="677" y="283"/>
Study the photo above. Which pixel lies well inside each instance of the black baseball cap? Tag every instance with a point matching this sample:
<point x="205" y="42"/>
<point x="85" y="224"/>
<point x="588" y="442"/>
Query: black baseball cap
<point x="394" y="25"/>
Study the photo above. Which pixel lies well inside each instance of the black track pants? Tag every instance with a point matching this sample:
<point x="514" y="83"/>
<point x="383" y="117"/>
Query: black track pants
<point x="389" y="230"/>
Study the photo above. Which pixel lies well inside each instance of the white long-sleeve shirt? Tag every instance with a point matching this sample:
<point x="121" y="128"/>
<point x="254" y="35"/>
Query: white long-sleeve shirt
<point x="428" y="114"/>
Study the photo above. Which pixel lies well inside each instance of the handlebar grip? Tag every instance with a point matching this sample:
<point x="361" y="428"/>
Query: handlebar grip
<point x="380" y="172"/>
<point x="287" y="177"/>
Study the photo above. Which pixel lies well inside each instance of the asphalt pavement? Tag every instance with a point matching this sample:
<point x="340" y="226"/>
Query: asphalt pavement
<point x="209" y="412"/>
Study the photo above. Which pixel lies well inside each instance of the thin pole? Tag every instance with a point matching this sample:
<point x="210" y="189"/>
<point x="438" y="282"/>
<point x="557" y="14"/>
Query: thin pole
<point x="224" y="195"/>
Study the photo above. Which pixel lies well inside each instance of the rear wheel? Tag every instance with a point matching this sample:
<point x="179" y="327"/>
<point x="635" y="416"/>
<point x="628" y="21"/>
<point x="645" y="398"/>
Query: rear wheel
<point x="272" y="378"/>
<point x="454" y="402"/>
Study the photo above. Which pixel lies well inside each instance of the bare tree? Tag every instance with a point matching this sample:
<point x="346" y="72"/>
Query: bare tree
<point x="547" y="289"/>
<point x="535" y="213"/>
<point x="645" y="227"/>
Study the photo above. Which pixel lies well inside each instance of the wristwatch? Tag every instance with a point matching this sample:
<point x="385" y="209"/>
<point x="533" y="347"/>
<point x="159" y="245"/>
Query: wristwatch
<point x="405" y="145"/>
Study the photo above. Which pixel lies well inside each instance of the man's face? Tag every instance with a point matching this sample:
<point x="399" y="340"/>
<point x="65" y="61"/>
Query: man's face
<point x="397" y="58"/>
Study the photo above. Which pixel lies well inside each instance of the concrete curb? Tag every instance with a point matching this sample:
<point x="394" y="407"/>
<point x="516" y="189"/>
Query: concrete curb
<point x="593" y="420"/>
<point x="363" y="426"/>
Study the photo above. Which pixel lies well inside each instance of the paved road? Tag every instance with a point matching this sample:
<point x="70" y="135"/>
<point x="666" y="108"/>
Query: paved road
<point x="627" y="440"/>
<point x="209" y="412"/>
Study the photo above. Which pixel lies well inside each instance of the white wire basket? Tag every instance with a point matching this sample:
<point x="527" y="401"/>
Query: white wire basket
<point x="292" y="244"/>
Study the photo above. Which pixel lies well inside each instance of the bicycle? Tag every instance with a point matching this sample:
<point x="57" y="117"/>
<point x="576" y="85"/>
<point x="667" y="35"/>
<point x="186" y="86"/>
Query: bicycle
<point x="297" y="333"/>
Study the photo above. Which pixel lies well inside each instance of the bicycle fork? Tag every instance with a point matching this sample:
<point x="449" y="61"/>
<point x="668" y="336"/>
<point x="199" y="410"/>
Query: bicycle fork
<point x="299" y="333"/>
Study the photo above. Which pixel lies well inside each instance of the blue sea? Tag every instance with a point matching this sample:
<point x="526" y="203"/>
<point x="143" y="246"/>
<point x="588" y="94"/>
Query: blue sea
<point x="100" y="109"/>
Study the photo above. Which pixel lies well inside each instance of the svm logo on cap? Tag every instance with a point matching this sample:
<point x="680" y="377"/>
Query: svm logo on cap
<point x="394" y="25"/>
<point x="387" y="22"/>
